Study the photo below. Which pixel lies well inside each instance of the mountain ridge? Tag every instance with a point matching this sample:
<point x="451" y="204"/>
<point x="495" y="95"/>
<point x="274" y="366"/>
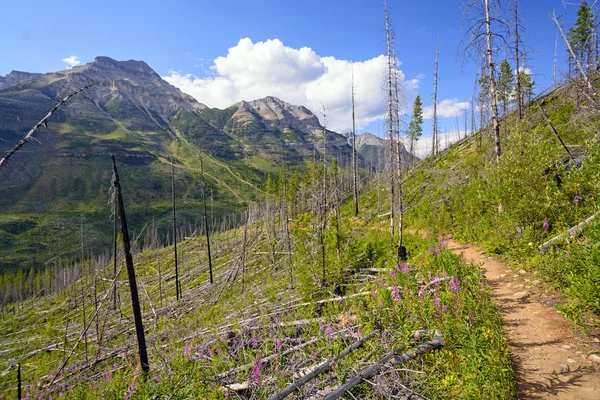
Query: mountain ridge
<point x="130" y="111"/>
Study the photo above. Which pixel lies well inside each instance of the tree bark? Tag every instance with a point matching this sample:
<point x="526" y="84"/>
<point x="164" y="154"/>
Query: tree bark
<point x="135" y="301"/>
<point x="490" y="60"/>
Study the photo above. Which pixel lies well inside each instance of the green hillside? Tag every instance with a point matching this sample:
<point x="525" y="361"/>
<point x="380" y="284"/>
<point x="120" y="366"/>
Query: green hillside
<point x="267" y="302"/>
<point x="535" y="192"/>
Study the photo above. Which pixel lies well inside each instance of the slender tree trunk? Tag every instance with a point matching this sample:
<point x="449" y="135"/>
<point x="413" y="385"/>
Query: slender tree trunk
<point x="177" y="286"/>
<point x="435" y="145"/>
<point x="135" y="301"/>
<point x="555" y="56"/>
<point x="115" y="238"/>
<point x="517" y="57"/>
<point x="490" y="60"/>
<point x="354" y="166"/>
<point x="244" y="248"/>
<point x="19" y="391"/>
<point x="210" y="271"/>
<point x="390" y="116"/>
<point x="324" y="202"/>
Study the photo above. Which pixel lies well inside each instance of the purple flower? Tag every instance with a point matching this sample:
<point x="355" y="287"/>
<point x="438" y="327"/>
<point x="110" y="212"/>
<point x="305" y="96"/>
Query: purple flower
<point x="187" y="350"/>
<point x="255" y="375"/>
<point x="546" y="225"/>
<point x="278" y="345"/>
<point x="577" y="198"/>
<point x="395" y="294"/>
<point x="254" y="342"/>
<point x="454" y="284"/>
<point x="572" y="231"/>
<point x="384" y="336"/>
<point x="392" y="273"/>
<point x="404" y="269"/>
<point x="313" y="356"/>
<point x="157" y="378"/>
<point x="380" y="304"/>
<point x="328" y="332"/>
<point x="436" y="251"/>
<point x="421" y="293"/>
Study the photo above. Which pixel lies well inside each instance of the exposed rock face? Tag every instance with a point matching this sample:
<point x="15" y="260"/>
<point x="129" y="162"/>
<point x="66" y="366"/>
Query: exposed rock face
<point x="279" y="115"/>
<point x="374" y="149"/>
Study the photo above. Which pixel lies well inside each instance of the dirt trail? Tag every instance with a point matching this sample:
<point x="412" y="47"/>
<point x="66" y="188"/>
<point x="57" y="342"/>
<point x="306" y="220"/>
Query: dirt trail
<point x="550" y="359"/>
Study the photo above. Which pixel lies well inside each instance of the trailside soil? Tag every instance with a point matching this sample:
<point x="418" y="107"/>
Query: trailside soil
<point x="551" y="360"/>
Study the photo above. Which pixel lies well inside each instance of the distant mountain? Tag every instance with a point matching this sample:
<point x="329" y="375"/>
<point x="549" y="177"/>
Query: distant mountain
<point x="15" y="77"/>
<point x="130" y="111"/>
<point x="375" y="150"/>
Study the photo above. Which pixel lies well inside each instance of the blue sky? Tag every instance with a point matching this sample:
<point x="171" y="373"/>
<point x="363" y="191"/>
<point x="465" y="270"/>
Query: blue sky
<point x="259" y="44"/>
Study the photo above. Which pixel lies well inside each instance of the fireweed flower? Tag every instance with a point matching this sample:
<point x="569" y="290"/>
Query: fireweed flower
<point x="392" y="273"/>
<point x="255" y="375"/>
<point x="421" y="293"/>
<point x="454" y="284"/>
<point x="404" y="269"/>
<point x="187" y="351"/>
<point x="546" y="225"/>
<point x="577" y="198"/>
<point x="395" y="294"/>
<point x="254" y="342"/>
<point x="328" y="332"/>
<point x="278" y="345"/>
<point x="437" y="251"/>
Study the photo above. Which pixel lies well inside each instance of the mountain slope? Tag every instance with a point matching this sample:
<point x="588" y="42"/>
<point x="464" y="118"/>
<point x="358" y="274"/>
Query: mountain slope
<point x="375" y="150"/>
<point x="534" y="193"/>
<point x="131" y="112"/>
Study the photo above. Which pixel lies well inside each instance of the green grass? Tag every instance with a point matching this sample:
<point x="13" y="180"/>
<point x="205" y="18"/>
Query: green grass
<point x="518" y="204"/>
<point x="200" y="337"/>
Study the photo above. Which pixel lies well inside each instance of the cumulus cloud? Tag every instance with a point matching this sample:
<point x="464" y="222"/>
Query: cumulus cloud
<point x="71" y="61"/>
<point x="447" y="108"/>
<point x="298" y="76"/>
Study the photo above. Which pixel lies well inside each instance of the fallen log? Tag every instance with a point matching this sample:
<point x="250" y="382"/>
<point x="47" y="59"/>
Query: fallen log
<point x="397" y="360"/>
<point x="576" y="230"/>
<point x="321" y="368"/>
<point x="264" y="360"/>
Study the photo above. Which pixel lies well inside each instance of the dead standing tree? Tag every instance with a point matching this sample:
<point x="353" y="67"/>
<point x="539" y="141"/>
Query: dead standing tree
<point x="177" y="284"/>
<point x="483" y="18"/>
<point x="43" y="121"/>
<point x="135" y="301"/>
<point x="435" y="141"/>
<point x="354" y="166"/>
<point x="210" y="269"/>
<point x="390" y="111"/>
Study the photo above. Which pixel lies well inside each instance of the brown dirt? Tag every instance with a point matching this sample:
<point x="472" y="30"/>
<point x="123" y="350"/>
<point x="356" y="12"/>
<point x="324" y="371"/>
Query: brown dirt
<point x="549" y="357"/>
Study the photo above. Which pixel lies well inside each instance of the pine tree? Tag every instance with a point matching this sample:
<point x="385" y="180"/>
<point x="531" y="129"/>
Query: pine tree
<point x="581" y="37"/>
<point x="506" y="80"/>
<point x="527" y="85"/>
<point x="415" y="129"/>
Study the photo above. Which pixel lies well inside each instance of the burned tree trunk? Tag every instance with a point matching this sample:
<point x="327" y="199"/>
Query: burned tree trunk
<point x="135" y="301"/>
<point x="177" y="286"/>
<point x="210" y="271"/>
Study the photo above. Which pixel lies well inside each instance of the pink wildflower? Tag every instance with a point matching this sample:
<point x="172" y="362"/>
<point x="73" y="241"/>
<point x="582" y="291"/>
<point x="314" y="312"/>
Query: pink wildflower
<point x="454" y="284"/>
<point x="395" y="293"/>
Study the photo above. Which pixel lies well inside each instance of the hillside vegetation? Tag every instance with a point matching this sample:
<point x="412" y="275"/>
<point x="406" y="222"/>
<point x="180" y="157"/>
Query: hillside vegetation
<point x="264" y="302"/>
<point x="535" y="192"/>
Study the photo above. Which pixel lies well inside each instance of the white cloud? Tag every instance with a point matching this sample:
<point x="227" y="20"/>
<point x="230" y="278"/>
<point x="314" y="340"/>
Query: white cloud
<point x="299" y="76"/>
<point x="71" y="61"/>
<point x="523" y="69"/>
<point x="447" y="108"/>
<point x="423" y="147"/>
